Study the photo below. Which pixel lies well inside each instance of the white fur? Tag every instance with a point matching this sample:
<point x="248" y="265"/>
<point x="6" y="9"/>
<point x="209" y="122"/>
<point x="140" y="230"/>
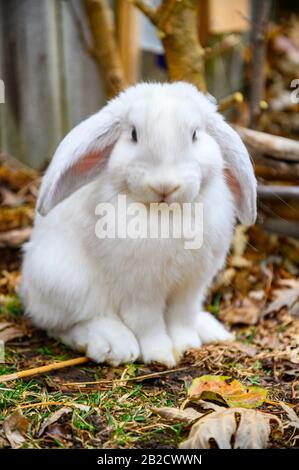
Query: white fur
<point x="122" y="299"/>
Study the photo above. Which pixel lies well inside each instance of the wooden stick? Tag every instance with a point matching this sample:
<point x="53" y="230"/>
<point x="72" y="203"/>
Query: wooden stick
<point x="272" y="192"/>
<point x="273" y="169"/>
<point x="106" y="53"/>
<point x="230" y="101"/>
<point x="139" y="378"/>
<point x="41" y="370"/>
<point x="277" y="147"/>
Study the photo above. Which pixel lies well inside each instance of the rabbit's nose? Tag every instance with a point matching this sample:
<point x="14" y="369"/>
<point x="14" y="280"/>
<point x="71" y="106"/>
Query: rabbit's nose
<point x="164" y="190"/>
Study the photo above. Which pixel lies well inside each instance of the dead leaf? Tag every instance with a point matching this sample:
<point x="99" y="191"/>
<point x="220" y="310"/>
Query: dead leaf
<point x="240" y="240"/>
<point x="234" y="428"/>
<point x="10" y="280"/>
<point x="9" y="198"/>
<point x="10" y="331"/>
<point x="256" y="294"/>
<point x="285" y="297"/>
<point x="61" y="433"/>
<point x="236" y="261"/>
<point x="188" y="415"/>
<point x="52" y="418"/>
<point x="12" y="218"/>
<point x="293" y="419"/>
<point x="15" y="428"/>
<point x="15" y="238"/>
<point x="247" y="314"/>
<point x="225" y="278"/>
<point x="227" y="391"/>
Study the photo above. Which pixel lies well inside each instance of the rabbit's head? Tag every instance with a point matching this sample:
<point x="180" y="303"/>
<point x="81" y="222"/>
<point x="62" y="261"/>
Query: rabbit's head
<point x="157" y="142"/>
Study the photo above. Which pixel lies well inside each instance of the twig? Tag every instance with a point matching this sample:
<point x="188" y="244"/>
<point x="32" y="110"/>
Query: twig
<point x="139" y="378"/>
<point x="163" y="12"/>
<point x="106" y="52"/>
<point x="41" y="370"/>
<point x="270" y="192"/>
<point x="150" y="12"/>
<point x="230" y="101"/>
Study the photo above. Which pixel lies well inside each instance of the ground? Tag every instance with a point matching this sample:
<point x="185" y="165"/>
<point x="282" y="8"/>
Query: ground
<point x="96" y="406"/>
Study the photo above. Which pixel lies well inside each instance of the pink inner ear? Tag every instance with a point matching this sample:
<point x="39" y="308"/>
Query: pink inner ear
<point x="93" y="158"/>
<point x="90" y="160"/>
<point x="234" y="186"/>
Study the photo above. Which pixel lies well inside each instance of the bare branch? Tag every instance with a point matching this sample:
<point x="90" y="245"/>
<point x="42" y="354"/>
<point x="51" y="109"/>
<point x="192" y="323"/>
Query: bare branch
<point x="178" y="26"/>
<point x="106" y="51"/>
<point x="150" y="12"/>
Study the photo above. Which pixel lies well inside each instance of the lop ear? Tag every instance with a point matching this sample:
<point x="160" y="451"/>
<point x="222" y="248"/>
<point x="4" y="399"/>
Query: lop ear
<point x="79" y="158"/>
<point x="238" y="168"/>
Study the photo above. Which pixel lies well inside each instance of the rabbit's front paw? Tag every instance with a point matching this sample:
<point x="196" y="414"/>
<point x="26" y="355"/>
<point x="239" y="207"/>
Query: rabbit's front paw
<point x="112" y="342"/>
<point x="210" y="330"/>
<point x="103" y="340"/>
<point x="157" y="348"/>
<point x="183" y="338"/>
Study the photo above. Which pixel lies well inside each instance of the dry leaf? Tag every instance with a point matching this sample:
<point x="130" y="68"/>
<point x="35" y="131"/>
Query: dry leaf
<point x="15" y="238"/>
<point x="292" y="416"/>
<point x="285" y="297"/>
<point x="15" y="428"/>
<point x="240" y="240"/>
<point x="225" y="278"/>
<point x="227" y="391"/>
<point x="236" y="261"/>
<point x="247" y="314"/>
<point x="9" y="198"/>
<point x="52" y="418"/>
<point x="188" y="415"/>
<point x="10" y="331"/>
<point x="234" y="428"/>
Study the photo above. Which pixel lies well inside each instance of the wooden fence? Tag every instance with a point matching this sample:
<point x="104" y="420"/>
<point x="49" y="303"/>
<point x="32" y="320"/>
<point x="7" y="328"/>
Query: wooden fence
<point x="51" y="82"/>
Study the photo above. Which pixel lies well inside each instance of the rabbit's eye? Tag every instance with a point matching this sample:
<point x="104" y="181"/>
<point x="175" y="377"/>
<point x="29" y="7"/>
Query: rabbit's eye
<point x="134" y="135"/>
<point x="194" y="136"/>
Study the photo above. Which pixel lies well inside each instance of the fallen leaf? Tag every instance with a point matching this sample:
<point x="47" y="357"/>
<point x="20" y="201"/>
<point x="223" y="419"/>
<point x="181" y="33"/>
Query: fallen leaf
<point x="10" y="331"/>
<point x="234" y="428"/>
<point x="293" y="419"/>
<point x="52" y="418"/>
<point x="256" y="294"/>
<point x="247" y="314"/>
<point x="288" y="297"/>
<point x="225" y="278"/>
<point x="240" y="240"/>
<point x="227" y="391"/>
<point x="60" y="432"/>
<point x="10" y="280"/>
<point x="15" y="428"/>
<point x="15" y="238"/>
<point x="188" y="415"/>
<point x="236" y="261"/>
<point x="9" y="198"/>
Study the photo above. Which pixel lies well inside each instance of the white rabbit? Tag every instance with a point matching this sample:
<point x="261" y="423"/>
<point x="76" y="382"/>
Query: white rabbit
<point x="123" y="299"/>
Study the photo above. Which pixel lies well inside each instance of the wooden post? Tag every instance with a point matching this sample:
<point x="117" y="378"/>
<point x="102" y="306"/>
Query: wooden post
<point x="127" y="20"/>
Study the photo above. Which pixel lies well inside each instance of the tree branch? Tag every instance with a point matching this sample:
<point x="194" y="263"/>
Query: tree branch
<point x="106" y="51"/>
<point x="177" y="21"/>
<point x="277" y="147"/>
<point x="148" y="11"/>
